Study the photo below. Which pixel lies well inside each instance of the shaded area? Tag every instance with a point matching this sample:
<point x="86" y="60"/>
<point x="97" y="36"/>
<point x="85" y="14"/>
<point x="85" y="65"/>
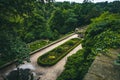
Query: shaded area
<point x="20" y="74"/>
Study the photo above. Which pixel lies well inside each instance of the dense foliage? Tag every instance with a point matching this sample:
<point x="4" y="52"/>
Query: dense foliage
<point x="33" y="20"/>
<point x="52" y="57"/>
<point x="76" y="66"/>
<point x="11" y="48"/>
<point x="25" y="21"/>
<point x="102" y="34"/>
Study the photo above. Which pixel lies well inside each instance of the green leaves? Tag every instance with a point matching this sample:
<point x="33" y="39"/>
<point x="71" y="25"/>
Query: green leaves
<point x="76" y="66"/>
<point x="63" y="20"/>
<point x="11" y="48"/>
<point x="103" y="33"/>
<point x="53" y="56"/>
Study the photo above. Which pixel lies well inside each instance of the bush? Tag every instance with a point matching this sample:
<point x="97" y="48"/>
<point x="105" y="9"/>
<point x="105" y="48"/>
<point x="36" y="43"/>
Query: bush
<point x="76" y="66"/>
<point x="59" y="50"/>
<point x="70" y="43"/>
<point x="103" y="32"/>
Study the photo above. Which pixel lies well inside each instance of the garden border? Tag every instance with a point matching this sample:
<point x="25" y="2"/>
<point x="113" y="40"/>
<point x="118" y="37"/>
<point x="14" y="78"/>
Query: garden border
<point x="31" y="53"/>
<point x="57" y="60"/>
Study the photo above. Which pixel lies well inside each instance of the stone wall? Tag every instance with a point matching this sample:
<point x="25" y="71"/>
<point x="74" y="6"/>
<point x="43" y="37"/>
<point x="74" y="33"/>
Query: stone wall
<point x="103" y="67"/>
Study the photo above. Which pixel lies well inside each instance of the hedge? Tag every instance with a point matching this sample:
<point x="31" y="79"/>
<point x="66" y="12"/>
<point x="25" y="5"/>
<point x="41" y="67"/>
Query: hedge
<point x="77" y="66"/>
<point x="7" y="63"/>
<point x="55" y="55"/>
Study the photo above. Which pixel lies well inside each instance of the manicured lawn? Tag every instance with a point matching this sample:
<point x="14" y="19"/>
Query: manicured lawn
<point x="41" y="43"/>
<point x="58" y="53"/>
<point x="38" y="44"/>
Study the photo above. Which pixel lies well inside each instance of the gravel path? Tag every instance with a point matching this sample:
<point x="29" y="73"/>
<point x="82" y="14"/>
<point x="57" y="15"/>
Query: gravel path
<point x="51" y="73"/>
<point x="48" y="73"/>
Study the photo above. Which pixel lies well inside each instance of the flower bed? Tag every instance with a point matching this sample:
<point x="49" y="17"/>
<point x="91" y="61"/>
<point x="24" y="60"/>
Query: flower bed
<point x="53" y="56"/>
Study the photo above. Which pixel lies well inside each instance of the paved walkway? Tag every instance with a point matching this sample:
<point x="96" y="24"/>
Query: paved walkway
<point x="103" y="67"/>
<point x="51" y="73"/>
<point x="48" y="73"/>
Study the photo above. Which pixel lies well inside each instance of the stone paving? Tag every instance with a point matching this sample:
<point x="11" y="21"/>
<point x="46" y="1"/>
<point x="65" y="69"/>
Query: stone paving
<point x="103" y="67"/>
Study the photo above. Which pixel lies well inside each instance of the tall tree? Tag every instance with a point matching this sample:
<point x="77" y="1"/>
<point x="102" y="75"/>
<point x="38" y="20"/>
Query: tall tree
<point x="11" y="47"/>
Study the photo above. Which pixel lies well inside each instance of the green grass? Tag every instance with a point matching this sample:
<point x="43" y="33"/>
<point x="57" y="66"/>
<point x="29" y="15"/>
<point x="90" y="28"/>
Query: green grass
<point x="53" y="56"/>
<point x="41" y="43"/>
<point x="38" y="44"/>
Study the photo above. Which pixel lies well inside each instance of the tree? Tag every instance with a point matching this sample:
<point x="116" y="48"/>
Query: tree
<point x="63" y="21"/>
<point x="103" y="33"/>
<point x="11" y="47"/>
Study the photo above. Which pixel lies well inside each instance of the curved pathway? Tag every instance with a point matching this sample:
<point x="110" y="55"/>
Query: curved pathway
<point x="51" y="73"/>
<point x="46" y="73"/>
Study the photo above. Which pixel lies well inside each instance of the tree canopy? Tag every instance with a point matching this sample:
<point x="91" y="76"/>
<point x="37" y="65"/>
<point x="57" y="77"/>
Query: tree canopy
<point x="25" y="21"/>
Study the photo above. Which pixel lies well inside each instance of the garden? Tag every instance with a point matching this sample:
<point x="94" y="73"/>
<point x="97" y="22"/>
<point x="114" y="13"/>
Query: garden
<point x="53" y="56"/>
<point x="38" y="44"/>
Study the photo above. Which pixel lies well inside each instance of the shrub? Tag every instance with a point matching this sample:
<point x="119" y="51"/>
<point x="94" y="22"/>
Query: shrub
<point x="52" y="57"/>
<point x="76" y="66"/>
<point x="59" y="50"/>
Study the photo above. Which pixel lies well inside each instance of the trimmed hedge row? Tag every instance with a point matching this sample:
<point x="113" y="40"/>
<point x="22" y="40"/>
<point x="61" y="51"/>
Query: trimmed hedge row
<point x="53" y="56"/>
